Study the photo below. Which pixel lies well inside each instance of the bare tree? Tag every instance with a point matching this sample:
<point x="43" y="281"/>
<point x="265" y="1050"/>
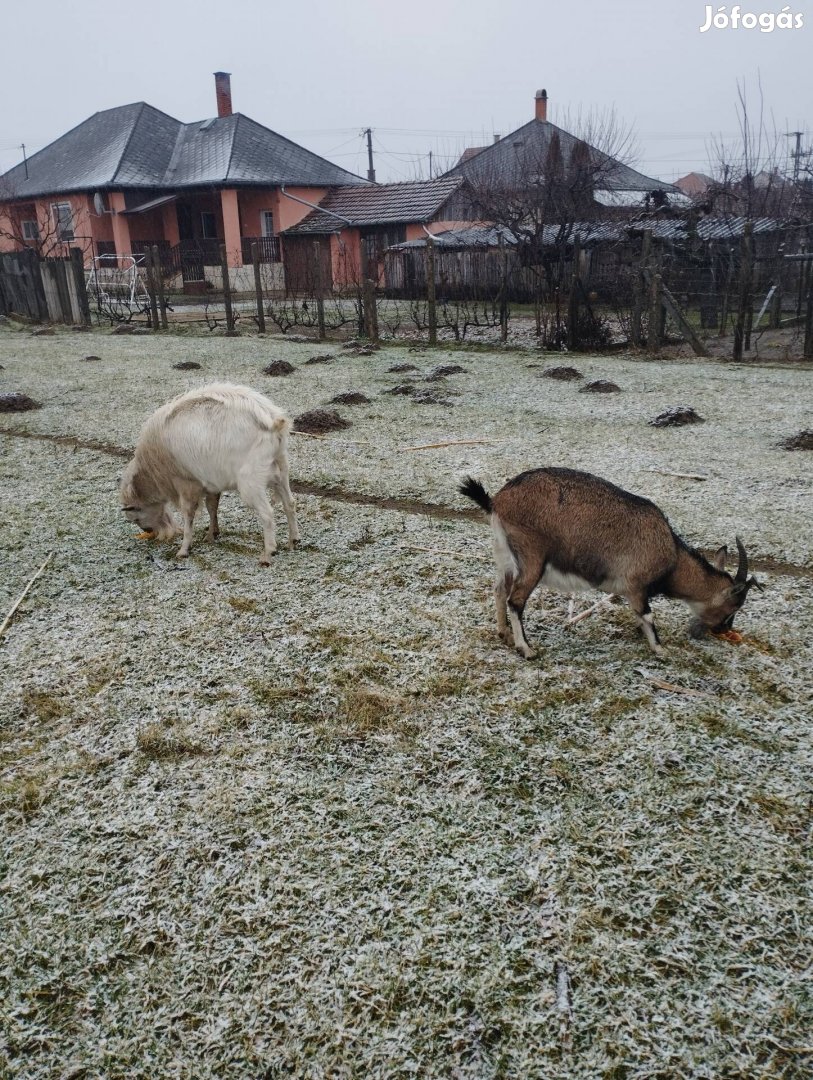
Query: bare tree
<point x="750" y="177"/>
<point x="23" y="222"/>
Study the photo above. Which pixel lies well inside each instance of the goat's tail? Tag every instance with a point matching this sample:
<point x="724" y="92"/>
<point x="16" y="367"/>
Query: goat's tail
<point x="474" y="490"/>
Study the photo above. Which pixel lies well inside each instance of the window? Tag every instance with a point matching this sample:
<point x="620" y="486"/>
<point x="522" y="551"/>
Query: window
<point x="30" y="230"/>
<point x="267" y="222"/>
<point x="63" y="220"/>
<point x="208" y="226"/>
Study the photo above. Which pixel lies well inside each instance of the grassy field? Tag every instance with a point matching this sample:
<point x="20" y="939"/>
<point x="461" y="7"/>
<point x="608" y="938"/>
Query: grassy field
<point x="315" y="820"/>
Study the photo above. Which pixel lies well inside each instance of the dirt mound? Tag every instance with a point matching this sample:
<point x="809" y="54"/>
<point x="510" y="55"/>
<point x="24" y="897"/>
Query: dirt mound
<point x="91" y="358"/>
<point x="442" y="370"/>
<point x="279" y="367"/>
<point x="44" y="331"/>
<point x="600" y="386"/>
<point x="402" y="388"/>
<point x="18" y="403"/>
<point x="398" y="368"/>
<point x="429" y="397"/>
<point x="350" y="397"/>
<point x="319" y="421"/>
<point x="677" y="417"/>
<point x="322" y="358"/>
<point x="802" y="441"/>
<point x="563" y="374"/>
<point x="187" y="365"/>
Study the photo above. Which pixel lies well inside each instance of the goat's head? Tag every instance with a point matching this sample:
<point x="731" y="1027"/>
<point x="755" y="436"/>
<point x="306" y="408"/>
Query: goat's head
<point x="150" y="514"/>
<point x="716" y="614"/>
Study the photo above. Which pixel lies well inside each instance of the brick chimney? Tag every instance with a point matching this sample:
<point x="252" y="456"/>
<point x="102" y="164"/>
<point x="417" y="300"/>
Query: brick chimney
<point x="541" y="101"/>
<point x="223" y="93"/>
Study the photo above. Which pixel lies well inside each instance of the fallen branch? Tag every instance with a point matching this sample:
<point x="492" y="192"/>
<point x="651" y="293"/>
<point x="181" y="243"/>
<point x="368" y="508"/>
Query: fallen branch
<point x="445" y="551"/>
<point x="573" y="619"/>
<point x="680" y="475"/>
<point x="661" y="684"/>
<point x="451" y="442"/>
<point x="23" y="594"/>
<point x="563" y="1002"/>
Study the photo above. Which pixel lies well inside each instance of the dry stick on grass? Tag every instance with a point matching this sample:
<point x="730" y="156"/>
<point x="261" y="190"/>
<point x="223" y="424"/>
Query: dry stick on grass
<point x="444" y="551"/>
<point x="661" y="684"/>
<point x="23" y="594"/>
<point x="573" y="619"/>
<point x="680" y="475"/>
<point x="564" y="1002"/>
<point x="451" y="442"/>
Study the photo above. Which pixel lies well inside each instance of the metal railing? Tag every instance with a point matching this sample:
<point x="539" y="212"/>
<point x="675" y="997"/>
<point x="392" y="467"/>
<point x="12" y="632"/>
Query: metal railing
<point x="268" y="247"/>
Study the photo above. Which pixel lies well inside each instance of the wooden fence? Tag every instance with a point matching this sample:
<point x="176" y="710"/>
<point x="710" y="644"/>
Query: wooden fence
<point x="44" y="290"/>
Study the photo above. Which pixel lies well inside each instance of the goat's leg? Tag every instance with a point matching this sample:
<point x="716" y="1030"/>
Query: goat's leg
<point x="254" y="493"/>
<point x="639" y="602"/>
<point x="188" y="505"/>
<point x="529" y="574"/>
<point x="500" y="601"/>
<point x="212" y="503"/>
<point x="283" y="489"/>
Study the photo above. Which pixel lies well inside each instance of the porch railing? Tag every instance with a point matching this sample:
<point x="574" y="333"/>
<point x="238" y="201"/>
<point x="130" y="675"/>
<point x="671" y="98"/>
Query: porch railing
<point x="268" y="247"/>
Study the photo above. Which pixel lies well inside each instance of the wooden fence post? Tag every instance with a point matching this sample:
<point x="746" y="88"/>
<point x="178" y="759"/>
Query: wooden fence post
<point x="258" y="286"/>
<point x="655" y="320"/>
<point x="150" y="276"/>
<point x="37" y="287"/>
<point x="503" y="290"/>
<point x="639" y="290"/>
<point x="431" y="299"/>
<point x="224" y="266"/>
<point x="742" y="330"/>
<point x="78" y="268"/>
<point x="320" y="298"/>
<point x="158" y="278"/>
<point x="573" y="299"/>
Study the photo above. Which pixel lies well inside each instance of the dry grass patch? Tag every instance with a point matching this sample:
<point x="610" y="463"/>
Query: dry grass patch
<point x="160" y="743"/>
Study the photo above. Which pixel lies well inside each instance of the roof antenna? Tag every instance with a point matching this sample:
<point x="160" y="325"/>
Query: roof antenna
<point x="25" y="159"/>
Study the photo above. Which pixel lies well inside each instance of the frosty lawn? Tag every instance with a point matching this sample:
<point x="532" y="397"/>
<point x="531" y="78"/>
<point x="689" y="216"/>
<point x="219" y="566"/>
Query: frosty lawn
<point x="318" y="821"/>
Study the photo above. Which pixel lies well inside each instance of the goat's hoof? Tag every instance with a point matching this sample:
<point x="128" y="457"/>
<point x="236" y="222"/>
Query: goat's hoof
<point x="265" y="560"/>
<point x="212" y="537"/>
<point x="182" y="555"/>
<point x="527" y="654"/>
<point x="293" y="543"/>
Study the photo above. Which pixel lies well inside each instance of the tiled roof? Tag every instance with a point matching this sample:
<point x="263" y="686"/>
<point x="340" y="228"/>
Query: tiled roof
<point x="486" y="236"/>
<point x="522" y="154"/>
<point x="137" y="146"/>
<point x="380" y="204"/>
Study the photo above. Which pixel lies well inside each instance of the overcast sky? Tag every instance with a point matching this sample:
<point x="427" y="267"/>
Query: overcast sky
<point x="425" y="75"/>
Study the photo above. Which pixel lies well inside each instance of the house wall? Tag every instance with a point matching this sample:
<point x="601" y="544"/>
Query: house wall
<point x="288" y="212"/>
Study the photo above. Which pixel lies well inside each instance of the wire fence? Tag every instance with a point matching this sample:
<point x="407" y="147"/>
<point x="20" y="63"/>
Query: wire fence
<point x="631" y="288"/>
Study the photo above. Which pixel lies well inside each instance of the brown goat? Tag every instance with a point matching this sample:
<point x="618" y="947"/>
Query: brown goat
<point x="571" y="531"/>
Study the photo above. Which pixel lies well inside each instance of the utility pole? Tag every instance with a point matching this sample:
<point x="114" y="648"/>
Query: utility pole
<point x="797" y="153"/>
<point x="370" y="170"/>
<point x="25" y="159"/>
<point x="430" y="164"/>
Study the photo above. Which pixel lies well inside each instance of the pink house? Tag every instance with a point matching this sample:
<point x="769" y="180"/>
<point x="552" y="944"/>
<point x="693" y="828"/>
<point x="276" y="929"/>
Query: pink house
<point x="131" y="177"/>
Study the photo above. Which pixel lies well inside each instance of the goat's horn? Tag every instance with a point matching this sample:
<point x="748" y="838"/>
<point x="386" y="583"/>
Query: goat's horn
<point x="742" y="569"/>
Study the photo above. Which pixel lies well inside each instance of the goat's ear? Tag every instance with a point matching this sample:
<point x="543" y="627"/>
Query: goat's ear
<point x="719" y="557"/>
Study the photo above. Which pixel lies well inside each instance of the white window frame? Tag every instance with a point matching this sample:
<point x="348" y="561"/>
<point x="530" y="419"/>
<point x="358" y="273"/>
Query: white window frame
<point x="208" y="214"/>
<point x="65" y="232"/>
<point x="30" y="228"/>
<point x="265" y="215"/>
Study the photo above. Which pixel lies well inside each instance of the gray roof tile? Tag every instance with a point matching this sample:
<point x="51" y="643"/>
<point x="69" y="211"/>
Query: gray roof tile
<point x="138" y="146"/>
<point x="523" y="153"/>
<point x="379" y="204"/>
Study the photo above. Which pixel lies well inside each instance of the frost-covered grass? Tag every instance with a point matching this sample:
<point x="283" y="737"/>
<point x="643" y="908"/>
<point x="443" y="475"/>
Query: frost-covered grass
<point x="317" y="821"/>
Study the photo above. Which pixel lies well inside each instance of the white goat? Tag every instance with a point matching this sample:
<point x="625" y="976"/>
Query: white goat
<point x="219" y="438"/>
